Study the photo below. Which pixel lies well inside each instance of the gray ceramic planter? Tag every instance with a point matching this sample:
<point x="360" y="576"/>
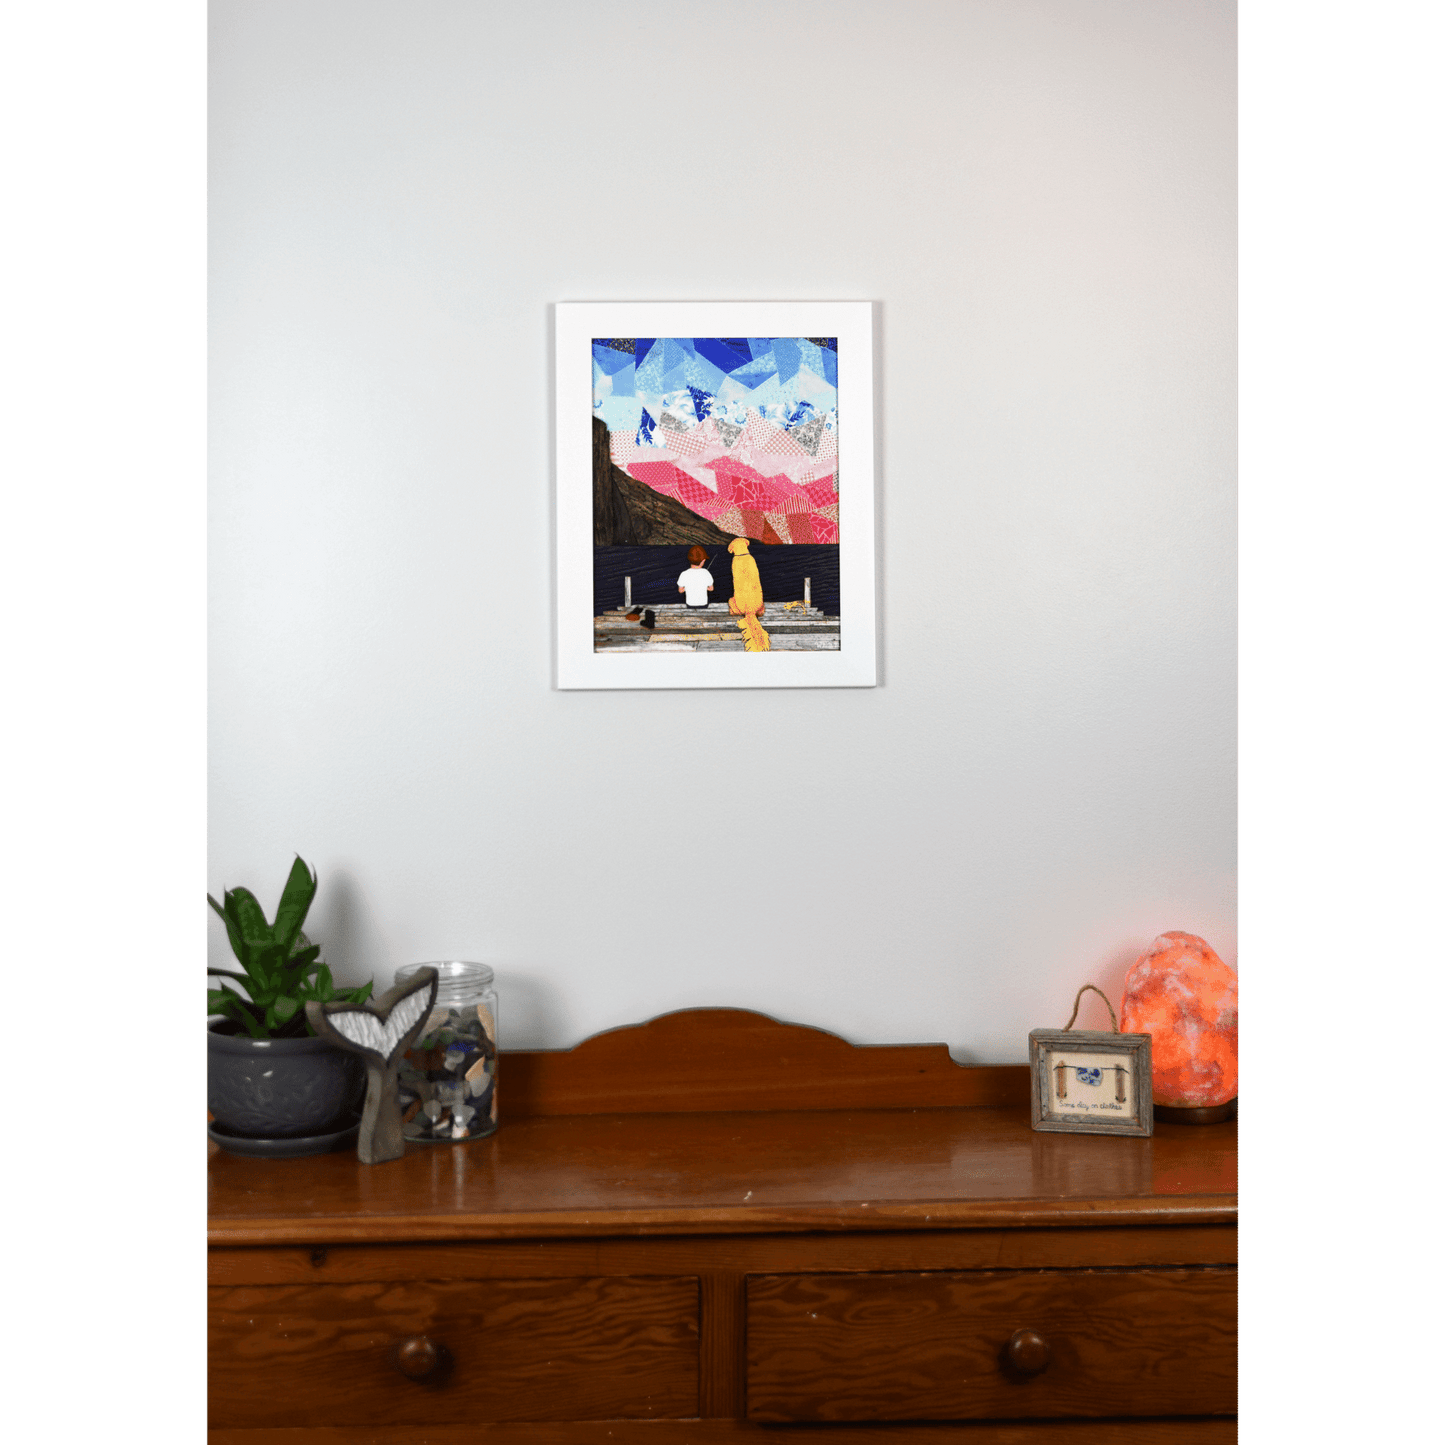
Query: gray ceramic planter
<point x="282" y="1088"/>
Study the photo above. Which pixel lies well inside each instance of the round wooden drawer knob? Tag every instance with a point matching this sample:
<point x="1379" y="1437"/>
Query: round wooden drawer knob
<point x="416" y="1357"/>
<point x="1028" y="1352"/>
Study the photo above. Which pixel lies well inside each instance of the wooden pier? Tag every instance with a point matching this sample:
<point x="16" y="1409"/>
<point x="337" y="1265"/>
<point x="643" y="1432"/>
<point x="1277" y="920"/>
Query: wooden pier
<point x="800" y="628"/>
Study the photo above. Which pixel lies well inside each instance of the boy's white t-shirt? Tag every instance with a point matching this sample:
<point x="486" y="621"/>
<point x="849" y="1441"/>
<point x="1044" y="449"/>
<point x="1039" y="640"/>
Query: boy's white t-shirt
<point x="697" y="580"/>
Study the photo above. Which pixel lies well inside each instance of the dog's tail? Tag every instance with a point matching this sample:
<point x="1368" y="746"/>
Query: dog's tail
<point x="755" y="639"/>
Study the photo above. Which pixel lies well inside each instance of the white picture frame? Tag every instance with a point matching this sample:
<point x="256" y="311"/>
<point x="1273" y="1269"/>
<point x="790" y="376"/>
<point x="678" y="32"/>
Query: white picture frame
<point x="579" y="663"/>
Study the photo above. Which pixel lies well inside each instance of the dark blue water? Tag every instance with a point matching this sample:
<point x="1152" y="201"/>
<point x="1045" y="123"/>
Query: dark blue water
<point x="654" y="572"/>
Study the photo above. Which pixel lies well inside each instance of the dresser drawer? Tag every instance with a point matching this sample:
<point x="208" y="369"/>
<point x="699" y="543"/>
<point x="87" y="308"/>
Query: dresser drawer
<point x="506" y="1349"/>
<point x="991" y="1345"/>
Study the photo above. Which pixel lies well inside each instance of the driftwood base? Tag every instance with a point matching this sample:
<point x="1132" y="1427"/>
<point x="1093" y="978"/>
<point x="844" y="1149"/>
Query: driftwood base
<point x="380" y="1138"/>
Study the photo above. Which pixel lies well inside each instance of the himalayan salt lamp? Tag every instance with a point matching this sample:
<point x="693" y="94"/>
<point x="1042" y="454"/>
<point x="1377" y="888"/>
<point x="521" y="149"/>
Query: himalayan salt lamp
<point x="1186" y="998"/>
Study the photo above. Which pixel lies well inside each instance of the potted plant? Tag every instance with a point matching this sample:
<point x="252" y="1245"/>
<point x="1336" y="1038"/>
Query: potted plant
<point x="270" y="1077"/>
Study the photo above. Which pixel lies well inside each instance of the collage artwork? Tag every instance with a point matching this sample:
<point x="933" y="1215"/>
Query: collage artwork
<point x="715" y="494"/>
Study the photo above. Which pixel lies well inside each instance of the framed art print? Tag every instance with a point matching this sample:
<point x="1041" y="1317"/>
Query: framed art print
<point x="715" y="494"/>
<point x="1088" y="1082"/>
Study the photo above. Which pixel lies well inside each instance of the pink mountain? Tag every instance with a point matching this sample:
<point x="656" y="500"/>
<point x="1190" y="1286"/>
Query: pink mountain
<point x="765" y="485"/>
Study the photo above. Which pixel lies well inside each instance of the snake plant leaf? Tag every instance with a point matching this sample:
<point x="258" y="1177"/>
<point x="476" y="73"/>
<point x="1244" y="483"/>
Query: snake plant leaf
<point x="291" y="983"/>
<point x="295" y="902"/>
<point x="298" y="987"/>
<point x="240" y="1011"/>
<point x="257" y="1028"/>
<point x="322" y="987"/>
<point x="242" y="906"/>
<point x="267" y="962"/>
<point x="228" y="973"/>
<point x="232" y="931"/>
<point x="307" y="958"/>
<point x="295" y="971"/>
<point x="282" y="967"/>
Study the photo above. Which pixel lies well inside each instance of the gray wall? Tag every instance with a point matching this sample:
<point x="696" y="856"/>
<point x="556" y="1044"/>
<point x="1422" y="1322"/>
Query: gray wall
<point x="1040" y="196"/>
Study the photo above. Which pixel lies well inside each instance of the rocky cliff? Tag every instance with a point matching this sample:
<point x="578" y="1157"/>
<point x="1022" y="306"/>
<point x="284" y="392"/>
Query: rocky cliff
<point x="626" y="512"/>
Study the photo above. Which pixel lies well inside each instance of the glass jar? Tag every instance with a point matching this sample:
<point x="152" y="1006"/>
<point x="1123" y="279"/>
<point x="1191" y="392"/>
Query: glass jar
<point x="448" y="1078"/>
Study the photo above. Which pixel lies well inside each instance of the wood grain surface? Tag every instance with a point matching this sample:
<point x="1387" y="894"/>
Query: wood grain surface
<point x="639" y="1174"/>
<point x="733" y="1254"/>
<point x="560" y="1349"/>
<point x="590" y="1264"/>
<point x="721" y="1358"/>
<point x="934" y="1346"/>
<point x="738" y="1432"/>
<point x="714" y="1059"/>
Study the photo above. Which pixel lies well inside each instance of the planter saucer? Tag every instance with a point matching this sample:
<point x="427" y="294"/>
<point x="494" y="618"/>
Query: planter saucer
<point x="281" y="1148"/>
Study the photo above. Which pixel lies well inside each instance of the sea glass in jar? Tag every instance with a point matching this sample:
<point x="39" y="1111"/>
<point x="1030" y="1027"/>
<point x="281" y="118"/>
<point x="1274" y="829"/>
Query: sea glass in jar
<point x="448" y="1078"/>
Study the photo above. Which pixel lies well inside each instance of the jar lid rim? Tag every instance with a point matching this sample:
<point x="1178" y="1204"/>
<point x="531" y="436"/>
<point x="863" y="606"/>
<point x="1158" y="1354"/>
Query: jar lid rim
<point x="450" y="969"/>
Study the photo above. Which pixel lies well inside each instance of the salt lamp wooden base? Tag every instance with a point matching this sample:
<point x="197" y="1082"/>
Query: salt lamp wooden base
<point x="1213" y="1114"/>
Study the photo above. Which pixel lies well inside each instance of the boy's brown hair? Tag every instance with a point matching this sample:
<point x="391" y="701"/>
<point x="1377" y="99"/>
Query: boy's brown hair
<point x="697" y="556"/>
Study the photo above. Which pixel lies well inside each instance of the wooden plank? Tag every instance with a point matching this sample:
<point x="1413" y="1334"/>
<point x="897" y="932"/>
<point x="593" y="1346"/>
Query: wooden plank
<point x="633" y="631"/>
<point x="680" y="627"/>
<point x="640" y="636"/>
<point x="721" y="644"/>
<point x="784" y="643"/>
<point x="714" y="609"/>
<point x="773" y="630"/>
<point x="564" y="1223"/>
<point x="732" y="1255"/>
<point x="722" y="1344"/>
<point x="738" y="1432"/>
<point x="733" y="1059"/>
<point x="632" y="644"/>
<point x="937" y="1346"/>
<point x="720" y="622"/>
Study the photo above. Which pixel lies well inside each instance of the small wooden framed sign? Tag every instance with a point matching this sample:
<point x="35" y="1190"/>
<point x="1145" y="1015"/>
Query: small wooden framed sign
<point x="1087" y="1082"/>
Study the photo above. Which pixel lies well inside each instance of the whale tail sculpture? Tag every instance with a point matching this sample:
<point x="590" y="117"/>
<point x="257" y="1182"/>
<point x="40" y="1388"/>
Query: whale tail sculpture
<point x="380" y="1030"/>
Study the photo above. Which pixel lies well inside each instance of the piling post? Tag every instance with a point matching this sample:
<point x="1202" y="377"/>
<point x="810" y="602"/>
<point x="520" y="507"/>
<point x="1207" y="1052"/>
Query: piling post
<point x="807" y="591"/>
<point x="627" y="594"/>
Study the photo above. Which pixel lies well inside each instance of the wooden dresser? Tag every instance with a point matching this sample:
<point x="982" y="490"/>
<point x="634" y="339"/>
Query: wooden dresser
<point x="716" y="1226"/>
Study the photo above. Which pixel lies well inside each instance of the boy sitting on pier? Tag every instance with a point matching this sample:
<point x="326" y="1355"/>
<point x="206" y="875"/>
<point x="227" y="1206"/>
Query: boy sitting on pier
<point x="696" y="582"/>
